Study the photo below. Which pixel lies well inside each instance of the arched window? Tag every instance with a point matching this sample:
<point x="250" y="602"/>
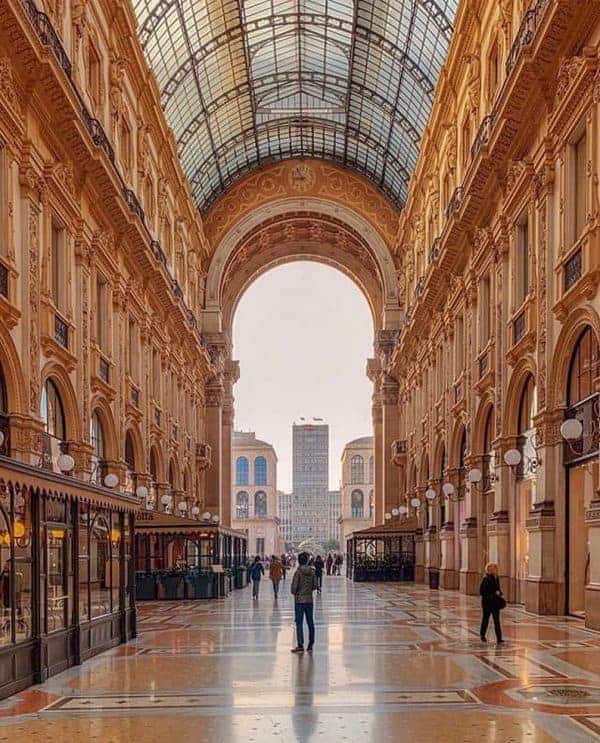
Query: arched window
<point x="153" y="495"/>
<point x="130" y="473"/>
<point x="371" y="470"/>
<point x="51" y="411"/>
<point x="583" y="368"/>
<point x="260" y="471"/>
<point x="241" y="471"/>
<point x="488" y="454"/>
<point x="53" y="417"/>
<point x="260" y="503"/>
<point x="357" y="470"/>
<point x="97" y="442"/>
<point x="357" y="503"/>
<point x="4" y="421"/>
<point x="441" y="475"/>
<point x="3" y="395"/>
<point x="527" y="405"/>
<point x="242" y="509"/>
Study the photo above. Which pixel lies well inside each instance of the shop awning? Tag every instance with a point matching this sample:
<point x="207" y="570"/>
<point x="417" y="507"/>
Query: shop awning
<point x="159" y="522"/>
<point x="391" y="528"/>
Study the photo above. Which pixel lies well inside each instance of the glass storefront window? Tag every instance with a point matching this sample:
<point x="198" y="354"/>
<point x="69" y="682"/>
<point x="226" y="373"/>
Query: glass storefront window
<point x="116" y="536"/>
<point x="84" y="562"/>
<point x="100" y="570"/>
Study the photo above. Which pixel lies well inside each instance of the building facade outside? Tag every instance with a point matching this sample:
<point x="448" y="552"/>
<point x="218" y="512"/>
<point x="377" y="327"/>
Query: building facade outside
<point x="254" y="495"/>
<point x="284" y="513"/>
<point x="334" y="502"/>
<point x="357" y="487"/>
<point x="310" y="481"/>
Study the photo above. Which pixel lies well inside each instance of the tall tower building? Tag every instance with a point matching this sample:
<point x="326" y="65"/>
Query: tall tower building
<point x="310" y="481"/>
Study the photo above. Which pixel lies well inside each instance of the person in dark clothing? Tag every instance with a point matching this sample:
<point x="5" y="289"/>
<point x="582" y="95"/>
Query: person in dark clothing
<point x="319" y="565"/>
<point x="304" y="583"/>
<point x="329" y="563"/>
<point x="491" y="601"/>
<point x="284" y="565"/>
<point x="256" y="572"/>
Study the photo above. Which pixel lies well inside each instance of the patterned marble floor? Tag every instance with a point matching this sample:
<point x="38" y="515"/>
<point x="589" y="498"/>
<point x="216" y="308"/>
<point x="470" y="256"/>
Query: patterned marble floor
<point x="392" y="663"/>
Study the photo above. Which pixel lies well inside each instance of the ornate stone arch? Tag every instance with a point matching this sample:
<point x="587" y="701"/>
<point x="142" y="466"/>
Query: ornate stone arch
<point x="575" y="324"/>
<point x="52" y="370"/>
<point x="101" y="406"/>
<point x="14" y="380"/>
<point x="524" y="368"/>
<point x="453" y="455"/>
<point x="424" y="469"/>
<point x="440" y="454"/>
<point x="156" y="447"/>
<point x="173" y="466"/>
<point x="485" y="405"/>
<point x="132" y="428"/>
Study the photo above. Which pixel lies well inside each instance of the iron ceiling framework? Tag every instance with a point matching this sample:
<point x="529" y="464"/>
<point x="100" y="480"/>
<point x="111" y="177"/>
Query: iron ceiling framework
<point x="245" y="82"/>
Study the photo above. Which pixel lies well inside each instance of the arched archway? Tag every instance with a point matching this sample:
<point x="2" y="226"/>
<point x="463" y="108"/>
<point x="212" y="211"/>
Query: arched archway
<point x="338" y="219"/>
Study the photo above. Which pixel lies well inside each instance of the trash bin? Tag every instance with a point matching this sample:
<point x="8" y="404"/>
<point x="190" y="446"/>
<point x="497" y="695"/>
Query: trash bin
<point x="434" y="579"/>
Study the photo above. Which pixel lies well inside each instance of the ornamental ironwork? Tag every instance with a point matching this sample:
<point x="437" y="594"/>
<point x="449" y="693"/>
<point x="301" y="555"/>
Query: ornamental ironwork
<point x="61" y="331"/>
<point x="103" y="369"/>
<point x="526" y="33"/>
<point x="483" y="135"/>
<point x="455" y="202"/>
<point x="587" y="445"/>
<point x="572" y="270"/>
<point x="519" y="327"/>
<point x="47" y="34"/>
<point x="345" y="80"/>
<point x="483" y="364"/>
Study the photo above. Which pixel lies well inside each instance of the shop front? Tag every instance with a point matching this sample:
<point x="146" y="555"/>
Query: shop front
<point x="66" y="573"/>
<point x="383" y="553"/>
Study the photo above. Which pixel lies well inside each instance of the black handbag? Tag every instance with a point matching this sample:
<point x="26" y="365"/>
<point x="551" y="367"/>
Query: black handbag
<point x="500" y="602"/>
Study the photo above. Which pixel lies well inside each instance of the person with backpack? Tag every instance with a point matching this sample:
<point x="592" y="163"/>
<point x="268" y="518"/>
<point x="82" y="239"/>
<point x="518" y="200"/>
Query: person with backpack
<point x="256" y="572"/>
<point x="304" y="583"/>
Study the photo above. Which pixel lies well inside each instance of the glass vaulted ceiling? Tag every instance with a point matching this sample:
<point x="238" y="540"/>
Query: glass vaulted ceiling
<point x="245" y="82"/>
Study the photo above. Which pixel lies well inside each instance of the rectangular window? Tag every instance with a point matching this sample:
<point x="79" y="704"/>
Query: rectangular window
<point x="101" y="315"/>
<point x="485" y="311"/>
<point x="156" y="374"/>
<point x="579" y="186"/>
<point x="57" y="265"/>
<point x="522" y="262"/>
<point x="132" y="354"/>
<point x="459" y="346"/>
<point x="94" y="75"/>
<point x="125" y="148"/>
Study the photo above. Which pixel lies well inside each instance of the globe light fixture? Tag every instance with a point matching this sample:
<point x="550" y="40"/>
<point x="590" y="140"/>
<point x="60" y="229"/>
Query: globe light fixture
<point x="18" y="530"/>
<point x="182" y="506"/>
<point x="2" y="438"/>
<point x="195" y="510"/>
<point x="571" y="429"/>
<point x="141" y="491"/>
<point x="475" y="475"/>
<point x="111" y="480"/>
<point x="206" y="516"/>
<point x="448" y="489"/>
<point x="65" y="463"/>
<point x="165" y="499"/>
<point x="395" y="512"/>
<point x="215" y="518"/>
<point x="512" y="457"/>
<point x="415" y="502"/>
<point x="388" y="516"/>
<point x="430" y="494"/>
<point x="403" y="510"/>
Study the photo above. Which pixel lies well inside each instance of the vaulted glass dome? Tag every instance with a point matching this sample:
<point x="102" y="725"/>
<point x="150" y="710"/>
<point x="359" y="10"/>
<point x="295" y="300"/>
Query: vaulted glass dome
<point x="245" y="82"/>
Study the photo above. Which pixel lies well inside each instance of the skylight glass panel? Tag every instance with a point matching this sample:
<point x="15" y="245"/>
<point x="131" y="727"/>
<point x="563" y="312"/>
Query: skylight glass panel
<point x="245" y="82"/>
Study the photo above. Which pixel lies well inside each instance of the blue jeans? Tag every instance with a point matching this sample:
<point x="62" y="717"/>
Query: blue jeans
<point x="305" y="610"/>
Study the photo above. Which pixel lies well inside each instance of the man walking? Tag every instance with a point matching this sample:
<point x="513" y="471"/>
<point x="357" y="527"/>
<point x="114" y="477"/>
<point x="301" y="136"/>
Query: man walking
<point x="319" y="572"/>
<point x="304" y="583"/>
<point x="256" y="572"/>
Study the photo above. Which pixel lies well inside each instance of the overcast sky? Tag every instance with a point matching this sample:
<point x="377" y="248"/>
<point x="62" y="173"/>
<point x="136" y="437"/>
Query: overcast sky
<point x="302" y="334"/>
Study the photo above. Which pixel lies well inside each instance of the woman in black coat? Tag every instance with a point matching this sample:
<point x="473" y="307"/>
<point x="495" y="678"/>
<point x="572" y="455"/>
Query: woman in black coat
<point x="491" y="601"/>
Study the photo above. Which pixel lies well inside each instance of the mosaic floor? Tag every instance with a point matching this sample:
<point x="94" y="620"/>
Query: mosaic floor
<point x="392" y="663"/>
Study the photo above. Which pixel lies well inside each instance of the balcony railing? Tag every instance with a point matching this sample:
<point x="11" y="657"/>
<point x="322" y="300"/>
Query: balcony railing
<point x="455" y="202"/>
<point x="572" y="270"/>
<point x="3" y="280"/>
<point x="135" y="397"/>
<point x="48" y="36"/>
<point x="435" y="249"/>
<point x="483" y="135"/>
<point x="157" y="416"/>
<point x="525" y="34"/>
<point x="61" y="331"/>
<point x="483" y="364"/>
<point x="458" y="391"/>
<point x="519" y="327"/>
<point x="103" y="369"/>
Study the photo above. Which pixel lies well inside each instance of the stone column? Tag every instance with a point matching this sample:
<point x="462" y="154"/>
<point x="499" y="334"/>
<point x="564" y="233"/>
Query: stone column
<point x="214" y="437"/>
<point x="470" y="570"/>
<point x="545" y="593"/>
<point x="390" y="433"/>
<point x="379" y="454"/>
<point x="230" y="377"/>
<point x="449" y="569"/>
<point x="592" y="589"/>
<point x="499" y="526"/>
